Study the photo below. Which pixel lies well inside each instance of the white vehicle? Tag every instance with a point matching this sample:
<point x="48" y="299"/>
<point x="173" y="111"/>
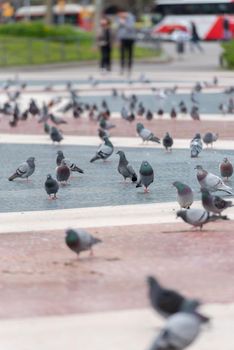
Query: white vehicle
<point x="211" y="17"/>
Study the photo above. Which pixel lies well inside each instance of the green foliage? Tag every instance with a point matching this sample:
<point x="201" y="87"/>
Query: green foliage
<point x="40" y="30"/>
<point x="228" y="54"/>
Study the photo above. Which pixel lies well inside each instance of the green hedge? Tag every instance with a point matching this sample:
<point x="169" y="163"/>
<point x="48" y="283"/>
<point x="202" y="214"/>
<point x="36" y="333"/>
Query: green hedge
<point x="42" y="31"/>
<point x="227" y="58"/>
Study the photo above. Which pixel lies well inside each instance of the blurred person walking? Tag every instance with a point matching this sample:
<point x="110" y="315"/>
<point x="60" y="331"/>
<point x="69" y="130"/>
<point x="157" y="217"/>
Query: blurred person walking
<point x="104" y="40"/>
<point x="227" y="35"/>
<point x="126" y="34"/>
<point x="195" y="39"/>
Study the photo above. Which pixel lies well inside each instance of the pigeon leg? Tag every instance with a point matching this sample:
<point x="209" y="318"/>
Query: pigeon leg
<point x="146" y="190"/>
<point x="91" y="252"/>
<point x="55" y="197"/>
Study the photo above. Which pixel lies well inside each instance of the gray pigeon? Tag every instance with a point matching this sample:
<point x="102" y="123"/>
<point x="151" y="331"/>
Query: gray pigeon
<point x="73" y="167"/>
<point x="56" y="119"/>
<point x="146" y="175"/>
<point x="198" y="217"/>
<point x="146" y="134"/>
<point x="63" y="172"/>
<point x="167" y="142"/>
<point x="184" y="194"/>
<point x="209" y="138"/>
<point x="25" y="169"/>
<point x="226" y="168"/>
<point x="180" y="331"/>
<point x="168" y="302"/>
<point x="104" y="151"/>
<point x="51" y="187"/>
<point x="55" y="134"/>
<point x="125" y="169"/>
<point x="210" y="181"/>
<point x="196" y="146"/>
<point x="214" y="204"/>
<point x="80" y="240"/>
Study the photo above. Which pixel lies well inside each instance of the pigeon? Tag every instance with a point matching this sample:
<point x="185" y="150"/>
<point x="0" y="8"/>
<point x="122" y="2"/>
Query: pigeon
<point x="80" y="240"/>
<point x="44" y="115"/>
<point x="195" y="113"/>
<point x="198" y="217"/>
<point x="25" y="169"/>
<point x="214" y="204"/>
<point x="146" y="134"/>
<point x="63" y="172"/>
<point x="168" y="302"/>
<point x="209" y="138"/>
<point x="167" y="142"/>
<point x="160" y="112"/>
<point x="195" y="146"/>
<point x="226" y="168"/>
<point x="55" y="134"/>
<point x="73" y="167"/>
<point x="104" y="151"/>
<point x="210" y="181"/>
<point x="125" y="169"/>
<point x="184" y="194"/>
<point x="51" y="187"/>
<point x="183" y="108"/>
<point x="57" y="120"/>
<point x="146" y="175"/>
<point x="180" y="331"/>
<point x="230" y="105"/>
<point x="149" y="115"/>
<point x="141" y="110"/>
<point x="173" y="113"/>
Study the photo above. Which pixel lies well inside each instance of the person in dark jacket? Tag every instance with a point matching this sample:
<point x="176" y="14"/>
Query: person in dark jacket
<point x="104" y="40"/>
<point x="227" y="35"/>
<point x="195" y="39"/>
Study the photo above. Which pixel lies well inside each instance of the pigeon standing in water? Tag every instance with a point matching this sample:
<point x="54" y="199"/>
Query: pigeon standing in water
<point x="180" y="331"/>
<point x="210" y="181"/>
<point x="125" y="169"/>
<point x="55" y="134"/>
<point x="80" y="240"/>
<point x="173" y="113"/>
<point x="226" y="168"/>
<point x="146" y="134"/>
<point x="146" y="176"/>
<point x="73" y="167"/>
<point x="51" y="187"/>
<point x="104" y="151"/>
<point x="209" y="138"/>
<point x="25" y="170"/>
<point x="214" y="204"/>
<point x="196" y="146"/>
<point x="198" y="217"/>
<point x="167" y="142"/>
<point x="168" y="302"/>
<point x="184" y="194"/>
<point x="63" y="172"/>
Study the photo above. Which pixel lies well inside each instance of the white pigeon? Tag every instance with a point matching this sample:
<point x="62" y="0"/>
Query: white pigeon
<point x="210" y="181"/>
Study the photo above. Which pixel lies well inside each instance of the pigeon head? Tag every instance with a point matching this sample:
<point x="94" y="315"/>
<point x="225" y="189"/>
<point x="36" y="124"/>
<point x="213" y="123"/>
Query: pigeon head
<point x="225" y="160"/>
<point x="63" y="162"/>
<point x="181" y="214"/>
<point x="146" y="169"/>
<point x="31" y="161"/>
<point x="60" y="153"/>
<point x="152" y="282"/>
<point x="72" y="238"/>
<point x="49" y="177"/>
<point x="178" y="185"/>
<point x="198" y="167"/>
<point x="139" y="127"/>
<point x="197" y="136"/>
<point x="121" y="154"/>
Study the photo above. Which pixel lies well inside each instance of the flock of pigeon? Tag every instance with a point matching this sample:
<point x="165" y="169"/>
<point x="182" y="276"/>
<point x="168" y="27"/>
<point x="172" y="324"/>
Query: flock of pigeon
<point x="184" y="322"/>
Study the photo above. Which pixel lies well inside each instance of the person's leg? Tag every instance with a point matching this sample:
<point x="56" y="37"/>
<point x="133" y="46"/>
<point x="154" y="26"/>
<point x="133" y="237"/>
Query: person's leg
<point x="108" y="61"/>
<point x="122" y="55"/>
<point x="102" y="58"/>
<point x="105" y="57"/>
<point x="130" y="54"/>
<point x="200" y="48"/>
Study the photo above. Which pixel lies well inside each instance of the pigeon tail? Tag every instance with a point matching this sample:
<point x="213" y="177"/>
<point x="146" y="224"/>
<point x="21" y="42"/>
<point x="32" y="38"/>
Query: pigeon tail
<point x="12" y="177"/>
<point x="155" y="139"/>
<point x="218" y="217"/>
<point x="139" y="184"/>
<point x="76" y="168"/>
<point x="203" y="318"/>
<point x="96" y="240"/>
<point x="96" y="157"/>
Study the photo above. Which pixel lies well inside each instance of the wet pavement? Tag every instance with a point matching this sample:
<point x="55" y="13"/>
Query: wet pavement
<point x="101" y="184"/>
